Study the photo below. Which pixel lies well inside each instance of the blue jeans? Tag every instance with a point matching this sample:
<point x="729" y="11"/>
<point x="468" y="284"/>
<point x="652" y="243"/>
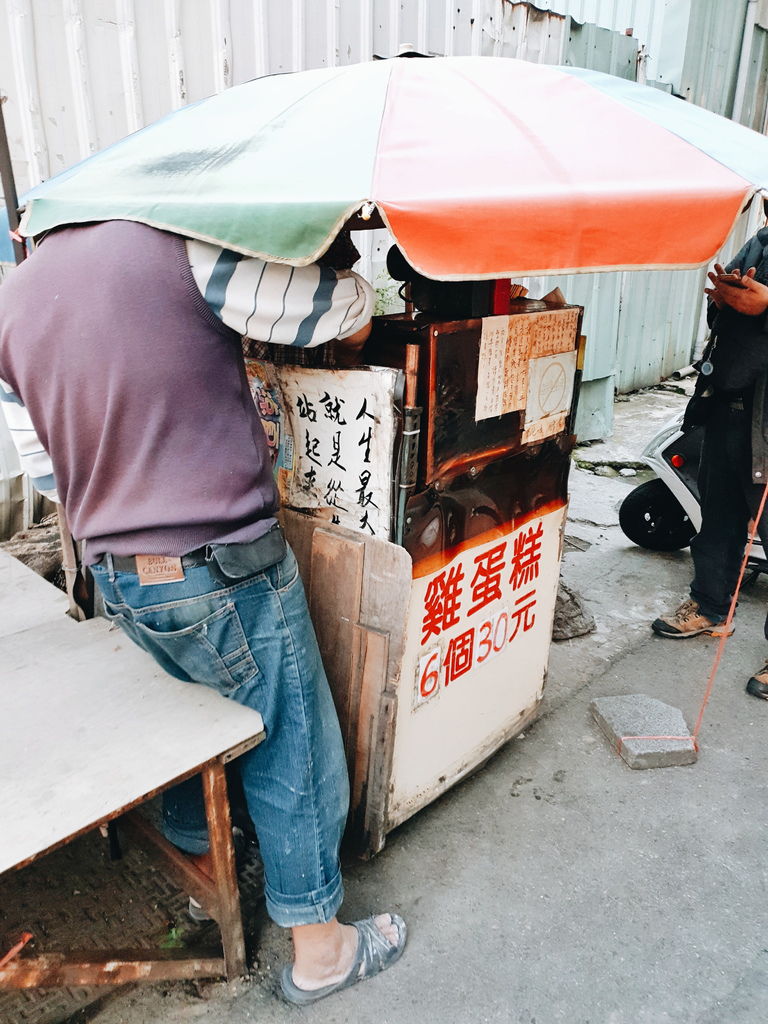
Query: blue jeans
<point x="253" y="641"/>
<point x="729" y="499"/>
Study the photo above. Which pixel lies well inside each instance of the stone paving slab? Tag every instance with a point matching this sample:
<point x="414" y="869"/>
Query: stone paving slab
<point x="645" y="732"/>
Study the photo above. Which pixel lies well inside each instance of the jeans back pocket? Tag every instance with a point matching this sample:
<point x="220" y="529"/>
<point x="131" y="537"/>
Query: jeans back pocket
<point x="213" y="651"/>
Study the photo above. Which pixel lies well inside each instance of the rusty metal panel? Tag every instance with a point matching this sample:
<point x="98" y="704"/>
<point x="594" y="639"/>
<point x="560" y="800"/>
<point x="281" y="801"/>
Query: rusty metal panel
<point x="522" y="30"/>
<point x="753" y="111"/>
<point x="601" y="49"/>
<point x="617" y="15"/>
<point x="649" y="22"/>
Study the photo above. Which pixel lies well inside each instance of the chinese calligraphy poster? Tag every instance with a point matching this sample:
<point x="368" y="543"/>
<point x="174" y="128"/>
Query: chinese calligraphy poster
<point x="332" y="434"/>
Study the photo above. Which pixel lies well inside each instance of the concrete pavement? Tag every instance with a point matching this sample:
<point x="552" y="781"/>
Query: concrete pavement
<point x="558" y="885"/>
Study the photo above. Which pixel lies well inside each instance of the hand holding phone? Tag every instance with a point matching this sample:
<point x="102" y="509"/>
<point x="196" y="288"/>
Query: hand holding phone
<point x="733" y="280"/>
<point x="741" y="292"/>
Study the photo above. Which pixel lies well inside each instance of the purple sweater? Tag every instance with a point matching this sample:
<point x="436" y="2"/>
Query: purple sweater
<point x="138" y="393"/>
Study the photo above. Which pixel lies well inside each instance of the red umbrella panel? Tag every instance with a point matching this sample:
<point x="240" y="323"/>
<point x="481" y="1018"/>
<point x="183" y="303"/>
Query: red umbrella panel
<point x="554" y="174"/>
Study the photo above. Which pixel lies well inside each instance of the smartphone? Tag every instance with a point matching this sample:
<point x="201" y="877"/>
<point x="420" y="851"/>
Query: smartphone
<point x="734" y="280"/>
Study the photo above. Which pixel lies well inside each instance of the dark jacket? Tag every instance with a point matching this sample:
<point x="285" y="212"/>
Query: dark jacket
<point x="741" y="356"/>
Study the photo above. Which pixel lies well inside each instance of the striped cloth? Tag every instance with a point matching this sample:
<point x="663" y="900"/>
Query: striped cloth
<point x="34" y="459"/>
<point x="284" y="305"/>
<point x="269" y="302"/>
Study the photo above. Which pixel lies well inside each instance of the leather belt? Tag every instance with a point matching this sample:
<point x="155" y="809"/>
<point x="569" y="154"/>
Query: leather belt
<point x="127" y="563"/>
<point x="226" y="562"/>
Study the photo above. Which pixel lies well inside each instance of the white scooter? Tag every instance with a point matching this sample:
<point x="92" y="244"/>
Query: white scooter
<point x="664" y="514"/>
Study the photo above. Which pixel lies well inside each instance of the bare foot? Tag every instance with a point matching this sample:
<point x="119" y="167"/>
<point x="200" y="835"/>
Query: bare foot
<point x="324" y="953"/>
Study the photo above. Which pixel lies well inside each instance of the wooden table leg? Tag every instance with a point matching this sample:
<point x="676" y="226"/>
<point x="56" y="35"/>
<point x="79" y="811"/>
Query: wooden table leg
<point x="222" y="853"/>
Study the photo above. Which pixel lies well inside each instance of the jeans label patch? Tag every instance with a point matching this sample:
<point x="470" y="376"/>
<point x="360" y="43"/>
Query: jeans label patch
<point x="154" y="569"/>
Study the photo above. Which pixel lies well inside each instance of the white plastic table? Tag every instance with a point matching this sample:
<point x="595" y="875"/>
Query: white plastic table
<point x="91" y="727"/>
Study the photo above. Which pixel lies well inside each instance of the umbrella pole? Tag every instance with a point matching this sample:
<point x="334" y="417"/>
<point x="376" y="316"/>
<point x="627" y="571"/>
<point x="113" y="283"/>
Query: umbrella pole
<point x="9" y="188"/>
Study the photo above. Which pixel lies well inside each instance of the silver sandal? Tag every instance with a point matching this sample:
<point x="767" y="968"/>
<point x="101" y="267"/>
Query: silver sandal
<point x="374" y="954"/>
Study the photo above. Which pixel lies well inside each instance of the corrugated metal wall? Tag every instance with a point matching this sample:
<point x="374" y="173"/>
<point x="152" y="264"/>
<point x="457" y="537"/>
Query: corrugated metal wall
<point x="601" y="49"/>
<point x="715" y="32"/>
<point x="80" y="74"/>
<point x="756" y="87"/>
<point x="525" y="32"/>
<point x="657" y="325"/>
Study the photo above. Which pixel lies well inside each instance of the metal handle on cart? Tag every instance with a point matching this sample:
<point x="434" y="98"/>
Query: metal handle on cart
<point x="409" y="465"/>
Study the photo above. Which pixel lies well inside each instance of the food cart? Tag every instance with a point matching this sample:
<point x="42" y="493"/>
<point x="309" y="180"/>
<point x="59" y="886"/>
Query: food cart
<point x="425" y="493"/>
<point x="425" y="496"/>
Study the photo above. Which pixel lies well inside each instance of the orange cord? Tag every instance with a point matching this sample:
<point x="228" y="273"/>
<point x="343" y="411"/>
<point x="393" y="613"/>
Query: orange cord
<point x="620" y="744"/>
<point x="725" y="626"/>
<point x="729" y="619"/>
<point x="12" y="952"/>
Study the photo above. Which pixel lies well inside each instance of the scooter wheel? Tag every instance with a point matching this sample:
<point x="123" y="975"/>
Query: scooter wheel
<point x="652" y="517"/>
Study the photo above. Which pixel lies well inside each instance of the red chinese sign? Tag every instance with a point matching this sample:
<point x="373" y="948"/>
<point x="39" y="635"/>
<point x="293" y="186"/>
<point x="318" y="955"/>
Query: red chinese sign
<point x="477" y="606"/>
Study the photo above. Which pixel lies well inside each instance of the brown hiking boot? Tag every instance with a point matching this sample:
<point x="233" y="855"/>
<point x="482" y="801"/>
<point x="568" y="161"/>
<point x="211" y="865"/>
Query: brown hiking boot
<point x="758" y="684"/>
<point x="687" y="621"/>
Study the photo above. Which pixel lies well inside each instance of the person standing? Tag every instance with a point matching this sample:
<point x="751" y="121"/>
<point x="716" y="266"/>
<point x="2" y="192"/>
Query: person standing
<point x="731" y="400"/>
<point x="124" y="383"/>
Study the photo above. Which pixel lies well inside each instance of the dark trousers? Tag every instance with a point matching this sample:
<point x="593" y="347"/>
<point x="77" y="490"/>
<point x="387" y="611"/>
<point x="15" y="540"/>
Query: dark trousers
<point x="729" y="499"/>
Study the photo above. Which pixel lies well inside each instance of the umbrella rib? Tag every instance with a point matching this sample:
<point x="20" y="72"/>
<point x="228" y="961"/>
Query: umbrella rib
<point x="374" y="182"/>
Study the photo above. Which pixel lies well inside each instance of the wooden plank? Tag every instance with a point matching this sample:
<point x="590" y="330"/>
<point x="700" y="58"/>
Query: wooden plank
<point x="222" y="853"/>
<point x="411" y="375"/>
<point x="369" y="677"/>
<point x="187" y="874"/>
<point x="54" y="970"/>
<point x="377" y="817"/>
<point x="386" y="583"/>
<point x="298" y="529"/>
<point x="362" y="640"/>
<point x="26" y="599"/>
<point x="386" y="596"/>
<point x="338" y="562"/>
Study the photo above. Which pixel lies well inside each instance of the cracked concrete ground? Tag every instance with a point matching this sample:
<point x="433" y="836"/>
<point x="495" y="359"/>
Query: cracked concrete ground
<point x="557" y="885"/>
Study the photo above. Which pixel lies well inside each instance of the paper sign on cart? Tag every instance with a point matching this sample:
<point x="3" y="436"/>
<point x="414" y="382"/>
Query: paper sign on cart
<point x="546" y="427"/>
<point x="332" y="436"/>
<point x="553" y="331"/>
<point x="550" y="386"/>
<point x="502" y="372"/>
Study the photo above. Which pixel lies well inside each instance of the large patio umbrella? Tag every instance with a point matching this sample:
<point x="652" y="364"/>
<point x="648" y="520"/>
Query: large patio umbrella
<point x="480" y="167"/>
